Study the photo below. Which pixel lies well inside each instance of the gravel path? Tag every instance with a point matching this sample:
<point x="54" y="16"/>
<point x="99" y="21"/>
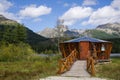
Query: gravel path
<point x="71" y="78"/>
<point x="78" y="70"/>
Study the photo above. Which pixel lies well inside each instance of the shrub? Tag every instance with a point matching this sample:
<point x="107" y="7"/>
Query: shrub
<point x="12" y="52"/>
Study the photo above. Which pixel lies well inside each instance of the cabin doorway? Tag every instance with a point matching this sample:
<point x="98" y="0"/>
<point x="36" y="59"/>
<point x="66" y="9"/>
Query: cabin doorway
<point x="83" y="50"/>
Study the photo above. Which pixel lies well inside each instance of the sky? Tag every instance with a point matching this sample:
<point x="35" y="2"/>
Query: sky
<point x="77" y="14"/>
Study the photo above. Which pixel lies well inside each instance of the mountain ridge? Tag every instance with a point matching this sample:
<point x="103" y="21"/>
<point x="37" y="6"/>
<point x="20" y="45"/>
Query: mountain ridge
<point x="5" y="21"/>
<point x="110" y="30"/>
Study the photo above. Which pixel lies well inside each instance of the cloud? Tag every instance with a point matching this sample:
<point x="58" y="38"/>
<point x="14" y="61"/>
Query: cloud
<point x="106" y="14"/>
<point x="89" y="16"/>
<point x="76" y="13"/>
<point x="11" y="16"/>
<point x="28" y="11"/>
<point x="5" y="5"/>
<point x="116" y="4"/>
<point x="33" y="11"/>
<point x="89" y="2"/>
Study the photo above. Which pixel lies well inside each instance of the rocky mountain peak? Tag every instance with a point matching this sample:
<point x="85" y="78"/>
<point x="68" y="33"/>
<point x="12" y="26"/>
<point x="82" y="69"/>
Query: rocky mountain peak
<point x="63" y="28"/>
<point x="47" y="32"/>
<point x="110" y="25"/>
<point x="110" y="28"/>
<point x="4" y="20"/>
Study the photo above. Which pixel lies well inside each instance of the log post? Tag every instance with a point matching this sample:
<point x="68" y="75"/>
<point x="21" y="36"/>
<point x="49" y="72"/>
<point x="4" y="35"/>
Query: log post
<point x="92" y="67"/>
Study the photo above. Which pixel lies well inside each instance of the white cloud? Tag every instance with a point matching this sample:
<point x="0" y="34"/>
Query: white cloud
<point x="89" y="2"/>
<point x="11" y="16"/>
<point x="4" y="6"/>
<point x="103" y="15"/>
<point x="89" y="16"/>
<point x="115" y="4"/>
<point x="34" y="11"/>
<point x="76" y="13"/>
<point x="28" y="11"/>
<point x="69" y="22"/>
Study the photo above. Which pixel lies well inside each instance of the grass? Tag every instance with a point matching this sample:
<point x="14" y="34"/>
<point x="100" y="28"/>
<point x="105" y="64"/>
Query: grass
<point x="110" y="70"/>
<point x="34" y="68"/>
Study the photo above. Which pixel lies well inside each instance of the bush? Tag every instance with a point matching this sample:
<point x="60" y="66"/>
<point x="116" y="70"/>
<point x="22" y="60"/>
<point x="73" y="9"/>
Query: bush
<point x="15" y="52"/>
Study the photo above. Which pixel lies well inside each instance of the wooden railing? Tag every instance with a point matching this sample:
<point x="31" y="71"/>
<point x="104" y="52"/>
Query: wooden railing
<point x="66" y="63"/>
<point x="91" y="66"/>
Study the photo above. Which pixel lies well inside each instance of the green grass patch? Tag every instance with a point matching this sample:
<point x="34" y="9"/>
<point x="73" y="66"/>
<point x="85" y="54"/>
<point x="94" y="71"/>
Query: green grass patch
<point x="36" y="67"/>
<point x="110" y="70"/>
<point x="20" y="62"/>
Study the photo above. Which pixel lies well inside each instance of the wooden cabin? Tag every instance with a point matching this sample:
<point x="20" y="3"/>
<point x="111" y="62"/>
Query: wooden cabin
<point x="87" y="46"/>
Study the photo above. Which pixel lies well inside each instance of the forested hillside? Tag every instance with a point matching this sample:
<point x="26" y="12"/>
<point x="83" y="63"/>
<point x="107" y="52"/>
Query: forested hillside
<point x="18" y="52"/>
<point x="12" y="32"/>
<point x="99" y="34"/>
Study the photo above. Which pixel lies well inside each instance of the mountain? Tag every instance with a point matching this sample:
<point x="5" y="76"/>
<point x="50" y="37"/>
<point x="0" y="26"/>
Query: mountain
<point x="98" y="34"/>
<point x="63" y="32"/>
<point x="48" y="32"/>
<point x="110" y="28"/>
<point x="104" y="31"/>
<point x="53" y="32"/>
<point x="4" y="20"/>
<point x="30" y="34"/>
<point x="14" y="32"/>
<point x="70" y="33"/>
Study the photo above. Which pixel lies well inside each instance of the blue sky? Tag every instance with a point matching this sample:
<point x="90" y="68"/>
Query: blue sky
<point x="78" y="14"/>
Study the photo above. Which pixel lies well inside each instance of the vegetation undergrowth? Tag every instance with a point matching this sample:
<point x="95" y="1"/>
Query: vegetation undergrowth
<point x="20" y="62"/>
<point x="110" y="70"/>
